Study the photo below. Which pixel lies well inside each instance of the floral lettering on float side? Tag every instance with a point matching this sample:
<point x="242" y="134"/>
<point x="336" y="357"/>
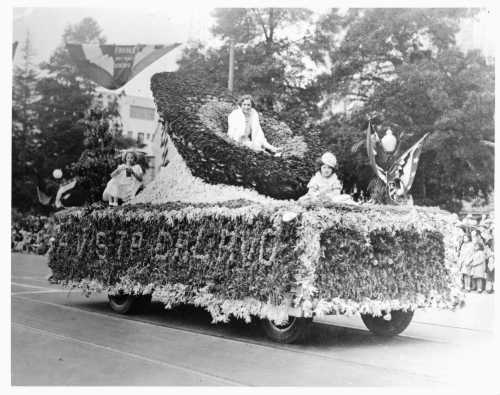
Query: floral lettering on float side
<point x="121" y="241"/>
<point x="102" y="248"/>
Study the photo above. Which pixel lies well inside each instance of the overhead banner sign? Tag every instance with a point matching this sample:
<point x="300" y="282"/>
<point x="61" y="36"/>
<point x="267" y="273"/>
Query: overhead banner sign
<point x="112" y="66"/>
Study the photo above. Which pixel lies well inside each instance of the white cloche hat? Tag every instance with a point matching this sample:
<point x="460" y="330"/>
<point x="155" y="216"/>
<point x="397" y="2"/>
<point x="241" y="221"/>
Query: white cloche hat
<point x="329" y="159"/>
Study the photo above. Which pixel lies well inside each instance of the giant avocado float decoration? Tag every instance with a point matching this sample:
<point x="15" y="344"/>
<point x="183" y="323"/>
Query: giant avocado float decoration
<point x="195" y="116"/>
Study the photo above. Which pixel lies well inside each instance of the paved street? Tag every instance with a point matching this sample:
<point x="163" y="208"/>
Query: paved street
<point x="64" y="338"/>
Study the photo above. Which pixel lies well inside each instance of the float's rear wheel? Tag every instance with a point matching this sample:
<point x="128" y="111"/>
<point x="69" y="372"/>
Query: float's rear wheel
<point x="388" y="326"/>
<point x="296" y="328"/>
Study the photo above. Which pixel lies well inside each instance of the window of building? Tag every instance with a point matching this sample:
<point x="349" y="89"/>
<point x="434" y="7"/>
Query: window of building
<point x="148" y="136"/>
<point x="140" y="112"/>
<point x="130" y="134"/>
<point x="140" y="138"/>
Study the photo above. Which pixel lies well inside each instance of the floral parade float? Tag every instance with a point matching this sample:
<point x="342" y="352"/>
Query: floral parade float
<point x="220" y="228"/>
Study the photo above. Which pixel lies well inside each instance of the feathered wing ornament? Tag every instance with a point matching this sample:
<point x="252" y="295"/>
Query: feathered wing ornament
<point x="42" y="197"/>
<point x="402" y="172"/>
<point x="63" y="193"/>
<point x="112" y="66"/>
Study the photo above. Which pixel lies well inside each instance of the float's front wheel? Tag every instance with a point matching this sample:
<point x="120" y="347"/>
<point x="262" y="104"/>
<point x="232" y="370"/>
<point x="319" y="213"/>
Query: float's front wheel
<point x="122" y="303"/>
<point x="296" y="328"/>
<point x="388" y="326"/>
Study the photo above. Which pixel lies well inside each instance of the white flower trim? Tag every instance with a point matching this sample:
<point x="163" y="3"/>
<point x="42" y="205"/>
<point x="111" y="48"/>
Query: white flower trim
<point x="222" y="310"/>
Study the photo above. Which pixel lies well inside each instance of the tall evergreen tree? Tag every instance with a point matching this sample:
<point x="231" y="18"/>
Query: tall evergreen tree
<point x="25" y="136"/>
<point x="64" y="100"/>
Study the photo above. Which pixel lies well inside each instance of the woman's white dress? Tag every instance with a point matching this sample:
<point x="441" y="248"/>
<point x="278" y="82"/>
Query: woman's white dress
<point x="247" y="130"/>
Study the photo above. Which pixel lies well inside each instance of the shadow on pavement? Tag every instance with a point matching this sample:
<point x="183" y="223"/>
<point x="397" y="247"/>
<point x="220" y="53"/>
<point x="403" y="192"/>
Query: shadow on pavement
<point x="196" y="319"/>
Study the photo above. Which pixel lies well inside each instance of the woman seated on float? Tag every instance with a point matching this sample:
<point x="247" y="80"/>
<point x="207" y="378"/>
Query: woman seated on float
<point x="126" y="180"/>
<point x="325" y="185"/>
<point x="244" y="127"/>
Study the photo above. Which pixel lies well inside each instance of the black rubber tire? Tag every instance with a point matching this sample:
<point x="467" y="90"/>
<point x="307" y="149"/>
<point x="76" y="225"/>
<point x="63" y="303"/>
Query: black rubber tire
<point x="122" y="303"/>
<point x="297" y="328"/>
<point x="380" y="326"/>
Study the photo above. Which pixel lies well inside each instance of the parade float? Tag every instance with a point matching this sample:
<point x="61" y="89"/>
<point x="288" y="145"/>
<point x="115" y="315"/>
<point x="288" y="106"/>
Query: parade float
<point x="220" y="228"/>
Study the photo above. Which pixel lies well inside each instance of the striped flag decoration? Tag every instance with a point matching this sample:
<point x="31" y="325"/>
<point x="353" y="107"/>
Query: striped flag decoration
<point x="402" y="173"/>
<point x="112" y="66"/>
<point x="164" y="145"/>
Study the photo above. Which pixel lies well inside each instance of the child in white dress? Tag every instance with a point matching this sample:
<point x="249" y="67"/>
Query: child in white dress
<point x="325" y="185"/>
<point x="125" y="181"/>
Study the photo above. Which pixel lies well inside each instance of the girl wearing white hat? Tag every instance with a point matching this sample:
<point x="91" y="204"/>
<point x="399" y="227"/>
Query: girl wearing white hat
<point x="325" y="183"/>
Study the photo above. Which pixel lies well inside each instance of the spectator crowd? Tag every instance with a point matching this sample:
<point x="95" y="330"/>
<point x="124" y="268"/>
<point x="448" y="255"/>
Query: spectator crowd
<point x="476" y="257"/>
<point x="31" y="233"/>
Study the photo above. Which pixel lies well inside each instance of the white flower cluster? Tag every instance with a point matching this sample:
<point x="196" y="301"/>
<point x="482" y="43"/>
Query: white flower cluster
<point x="221" y="310"/>
<point x="175" y="182"/>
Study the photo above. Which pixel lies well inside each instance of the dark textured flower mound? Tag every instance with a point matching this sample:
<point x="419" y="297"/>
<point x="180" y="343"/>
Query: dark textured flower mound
<point x="196" y="119"/>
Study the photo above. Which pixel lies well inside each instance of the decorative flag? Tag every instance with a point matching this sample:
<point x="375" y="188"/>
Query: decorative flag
<point x="112" y="66"/>
<point x="399" y="178"/>
<point x="371" y="146"/>
<point x="402" y="172"/>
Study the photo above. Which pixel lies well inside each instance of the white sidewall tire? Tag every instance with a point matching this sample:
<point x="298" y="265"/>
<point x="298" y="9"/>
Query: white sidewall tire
<point x="295" y="330"/>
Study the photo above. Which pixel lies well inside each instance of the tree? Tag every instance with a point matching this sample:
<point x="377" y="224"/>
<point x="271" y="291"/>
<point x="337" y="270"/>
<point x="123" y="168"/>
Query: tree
<point x="24" y="133"/>
<point x="247" y="24"/>
<point x="99" y="158"/>
<point x="364" y="46"/>
<point x="268" y="64"/>
<point x="64" y="100"/>
<point x="415" y="90"/>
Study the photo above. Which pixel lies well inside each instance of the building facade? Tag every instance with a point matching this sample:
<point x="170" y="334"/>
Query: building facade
<point x="139" y="118"/>
<point x="138" y="115"/>
<point x="139" y="121"/>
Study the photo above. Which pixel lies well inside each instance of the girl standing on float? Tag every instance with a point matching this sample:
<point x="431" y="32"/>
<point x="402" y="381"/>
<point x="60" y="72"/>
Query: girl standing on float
<point x="125" y="181"/>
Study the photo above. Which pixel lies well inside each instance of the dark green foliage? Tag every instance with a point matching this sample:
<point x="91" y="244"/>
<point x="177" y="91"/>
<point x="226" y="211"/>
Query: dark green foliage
<point x="100" y="156"/>
<point x="395" y="265"/>
<point x="236" y="258"/>
<point x="25" y="146"/>
<point x="240" y="256"/>
<point x="64" y="99"/>
<point x="375" y="36"/>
